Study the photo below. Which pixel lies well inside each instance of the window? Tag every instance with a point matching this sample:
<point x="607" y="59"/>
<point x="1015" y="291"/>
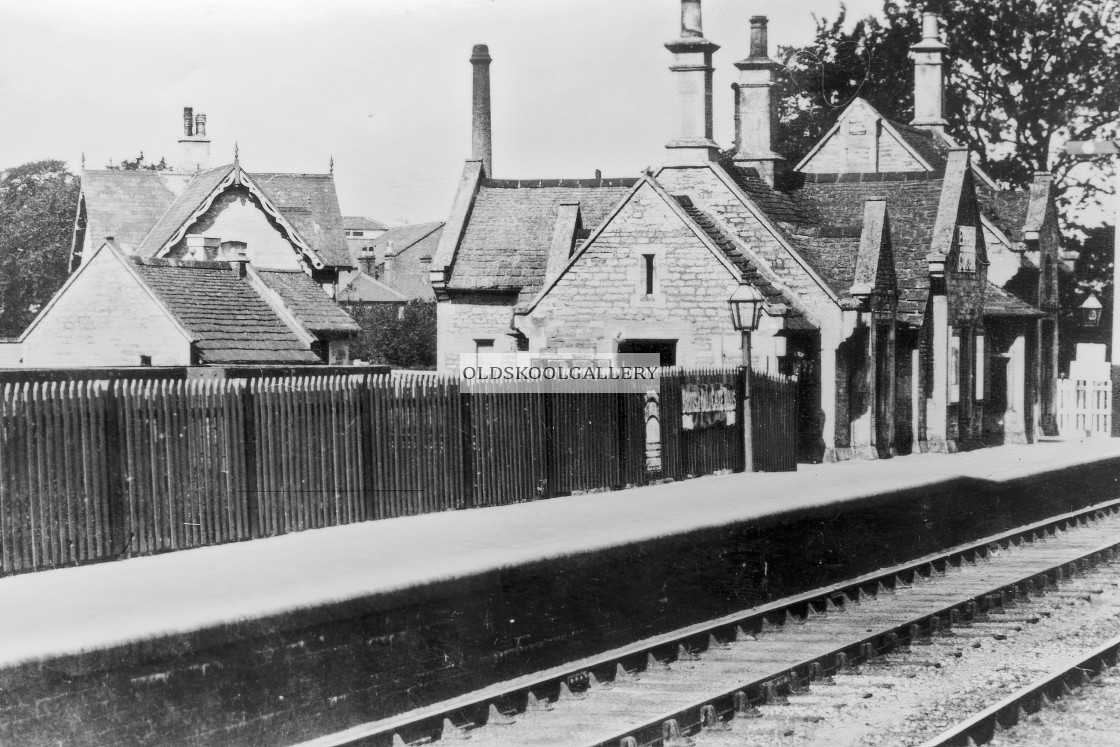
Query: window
<point x="666" y="349"/>
<point x="649" y="274"/>
<point x="966" y="253"/>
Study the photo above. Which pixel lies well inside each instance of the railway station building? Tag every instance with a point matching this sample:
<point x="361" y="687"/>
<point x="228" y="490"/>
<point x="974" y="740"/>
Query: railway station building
<point x="914" y="299"/>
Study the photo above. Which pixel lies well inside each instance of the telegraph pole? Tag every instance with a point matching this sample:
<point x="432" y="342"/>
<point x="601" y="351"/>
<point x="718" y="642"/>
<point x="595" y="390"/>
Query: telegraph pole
<point x="1109" y="148"/>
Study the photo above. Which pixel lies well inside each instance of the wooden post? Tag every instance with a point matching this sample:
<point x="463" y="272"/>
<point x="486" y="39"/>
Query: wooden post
<point x="466" y="445"/>
<point x="249" y="431"/>
<point x="118" y="518"/>
<point x="748" y="436"/>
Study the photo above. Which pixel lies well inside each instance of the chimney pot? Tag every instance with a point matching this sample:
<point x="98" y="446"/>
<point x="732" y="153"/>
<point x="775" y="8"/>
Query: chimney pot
<point x="692" y="25"/>
<point x="481" y="144"/>
<point x="759" y="42"/>
<point x="598" y="174"/>
<point x="200" y="124"/>
<point x="931" y="27"/>
<point x="188" y="121"/>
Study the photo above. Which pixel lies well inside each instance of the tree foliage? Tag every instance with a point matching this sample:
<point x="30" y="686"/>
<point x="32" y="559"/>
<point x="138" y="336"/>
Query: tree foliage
<point x="140" y="164"/>
<point x="1024" y="76"/>
<point x="396" y="335"/>
<point x="37" y="204"/>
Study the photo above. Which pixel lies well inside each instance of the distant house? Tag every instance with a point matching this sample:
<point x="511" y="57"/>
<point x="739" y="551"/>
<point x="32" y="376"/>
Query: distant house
<point x="401" y="259"/>
<point x="122" y="310"/>
<point x="201" y="251"/>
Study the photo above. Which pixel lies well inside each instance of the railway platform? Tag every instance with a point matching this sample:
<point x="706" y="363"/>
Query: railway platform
<point x="288" y="637"/>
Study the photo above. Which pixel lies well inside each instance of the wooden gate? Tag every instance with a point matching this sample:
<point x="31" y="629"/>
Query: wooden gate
<point x="1085" y="407"/>
<point x="775" y="422"/>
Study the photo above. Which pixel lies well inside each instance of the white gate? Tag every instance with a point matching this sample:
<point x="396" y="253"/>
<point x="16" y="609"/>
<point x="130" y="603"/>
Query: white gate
<point x="1085" y="407"/>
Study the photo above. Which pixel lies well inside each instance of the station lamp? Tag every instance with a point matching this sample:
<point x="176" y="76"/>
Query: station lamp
<point x="746" y="308"/>
<point x="1089" y="312"/>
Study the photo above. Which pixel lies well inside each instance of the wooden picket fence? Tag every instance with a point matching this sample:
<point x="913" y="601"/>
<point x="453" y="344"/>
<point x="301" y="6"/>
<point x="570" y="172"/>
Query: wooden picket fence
<point x="93" y="470"/>
<point x="1085" y="407"/>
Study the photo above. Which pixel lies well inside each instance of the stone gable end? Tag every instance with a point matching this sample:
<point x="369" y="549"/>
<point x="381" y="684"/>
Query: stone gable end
<point x="861" y="145"/>
<point x="105" y="318"/>
<point x="714" y="194"/>
<point x="601" y="298"/>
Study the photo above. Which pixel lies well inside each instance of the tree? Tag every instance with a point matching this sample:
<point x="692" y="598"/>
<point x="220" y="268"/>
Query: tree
<point x="37" y="204"/>
<point x="1024" y="76"/>
<point x="400" y="336"/>
<point x="139" y="164"/>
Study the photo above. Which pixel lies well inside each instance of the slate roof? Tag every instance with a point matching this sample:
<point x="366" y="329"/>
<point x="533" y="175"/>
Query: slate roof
<point x="413" y="247"/>
<point x="307" y="302"/>
<point x="309" y="202"/>
<point x="998" y="302"/>
<point x="1006" y="208"/>
<point x="126" y="204"/>
<point x="912" y="205"/>
<point x="506" y="242"/>
<point x="144" y="209"/>
<point x="181" y="209"/>
<point x="361" y="223"/>
<point x="929" y="146"/>
<point x="784" y="206"/>
<point x="730" y="248"/>
<point x="402" y="238"/>
<point x="229" y="320"/>
<point x="367" y="289"/>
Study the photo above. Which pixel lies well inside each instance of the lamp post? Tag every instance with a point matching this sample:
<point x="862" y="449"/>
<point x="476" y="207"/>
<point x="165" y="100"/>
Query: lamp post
<point x="746" y="309"/>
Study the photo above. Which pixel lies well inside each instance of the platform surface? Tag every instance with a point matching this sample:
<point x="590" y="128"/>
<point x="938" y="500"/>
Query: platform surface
<point x="76" y="610"/>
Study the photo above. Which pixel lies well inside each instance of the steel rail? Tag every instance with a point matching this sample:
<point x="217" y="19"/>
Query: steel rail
<point x="431" y="723"/>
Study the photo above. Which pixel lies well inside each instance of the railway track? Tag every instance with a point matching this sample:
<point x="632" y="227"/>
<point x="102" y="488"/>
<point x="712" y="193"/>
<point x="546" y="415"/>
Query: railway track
<point x="715" y="683"/>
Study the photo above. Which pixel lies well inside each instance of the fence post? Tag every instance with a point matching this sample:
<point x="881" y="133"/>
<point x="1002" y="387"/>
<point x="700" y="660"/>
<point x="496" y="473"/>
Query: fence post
<point x="466" y="445"/>
<point x="368" y="451"/>
<point x="116" y="502"/>
<point x="249" y="429"/>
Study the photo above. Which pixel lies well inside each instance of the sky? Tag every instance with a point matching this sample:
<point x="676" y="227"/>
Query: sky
<point x="382" y="87"/>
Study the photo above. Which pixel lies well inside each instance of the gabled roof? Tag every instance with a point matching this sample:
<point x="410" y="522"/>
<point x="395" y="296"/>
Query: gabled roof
<point x="200" y="188"/>
<point x="506" y="240"/>
<point x="1000" y="303"/>
<point x="148" y="211"/>
<point x="1007" y="209"/>
<point x="228" y="321"/>
<point x="361" y="223"/>
<point x="933" y="148"/>
<point x="126" y="204"/>
<point x="305" y="299"/>
<point x="402" y="238"/>
<point x="778" y="303"/>
<point x="367" y="289"/>
<point x="310" y="203"/>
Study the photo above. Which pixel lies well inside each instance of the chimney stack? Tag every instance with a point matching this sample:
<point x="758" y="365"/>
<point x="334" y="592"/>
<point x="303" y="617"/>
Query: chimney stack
<point x="929" y="76"/>
<point x="692" y="143"/>
<point x="480" y="114"/>
<point x="756" y="112"/>
<point x="194" y="145"/>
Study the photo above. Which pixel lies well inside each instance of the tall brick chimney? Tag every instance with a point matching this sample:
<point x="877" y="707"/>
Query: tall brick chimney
<point x="929" y="76"/>
<point x="194" y="145"/>
<point x="756" y="112"/>
<point x="692" y="142"/>
<point x="480" y="114"/>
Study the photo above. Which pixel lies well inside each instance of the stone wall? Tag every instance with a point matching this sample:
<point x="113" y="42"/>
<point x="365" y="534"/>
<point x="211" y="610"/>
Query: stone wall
<point x="861" y="145"/>
<point x="105" y="318"/>
<point x="463" y="319"/>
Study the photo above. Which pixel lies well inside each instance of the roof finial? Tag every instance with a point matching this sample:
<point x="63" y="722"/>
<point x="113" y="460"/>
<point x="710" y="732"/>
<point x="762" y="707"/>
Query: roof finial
<point x="332" y="163"/>
<point x="236" y="152"/>
<point x="83" y="159"/>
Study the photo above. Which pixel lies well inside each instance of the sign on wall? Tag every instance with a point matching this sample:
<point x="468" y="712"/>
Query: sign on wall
<point x="707" y="405"/>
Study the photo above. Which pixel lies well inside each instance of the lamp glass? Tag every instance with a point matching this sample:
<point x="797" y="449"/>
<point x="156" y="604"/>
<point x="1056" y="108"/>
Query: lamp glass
<point x="746" y="307"/>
